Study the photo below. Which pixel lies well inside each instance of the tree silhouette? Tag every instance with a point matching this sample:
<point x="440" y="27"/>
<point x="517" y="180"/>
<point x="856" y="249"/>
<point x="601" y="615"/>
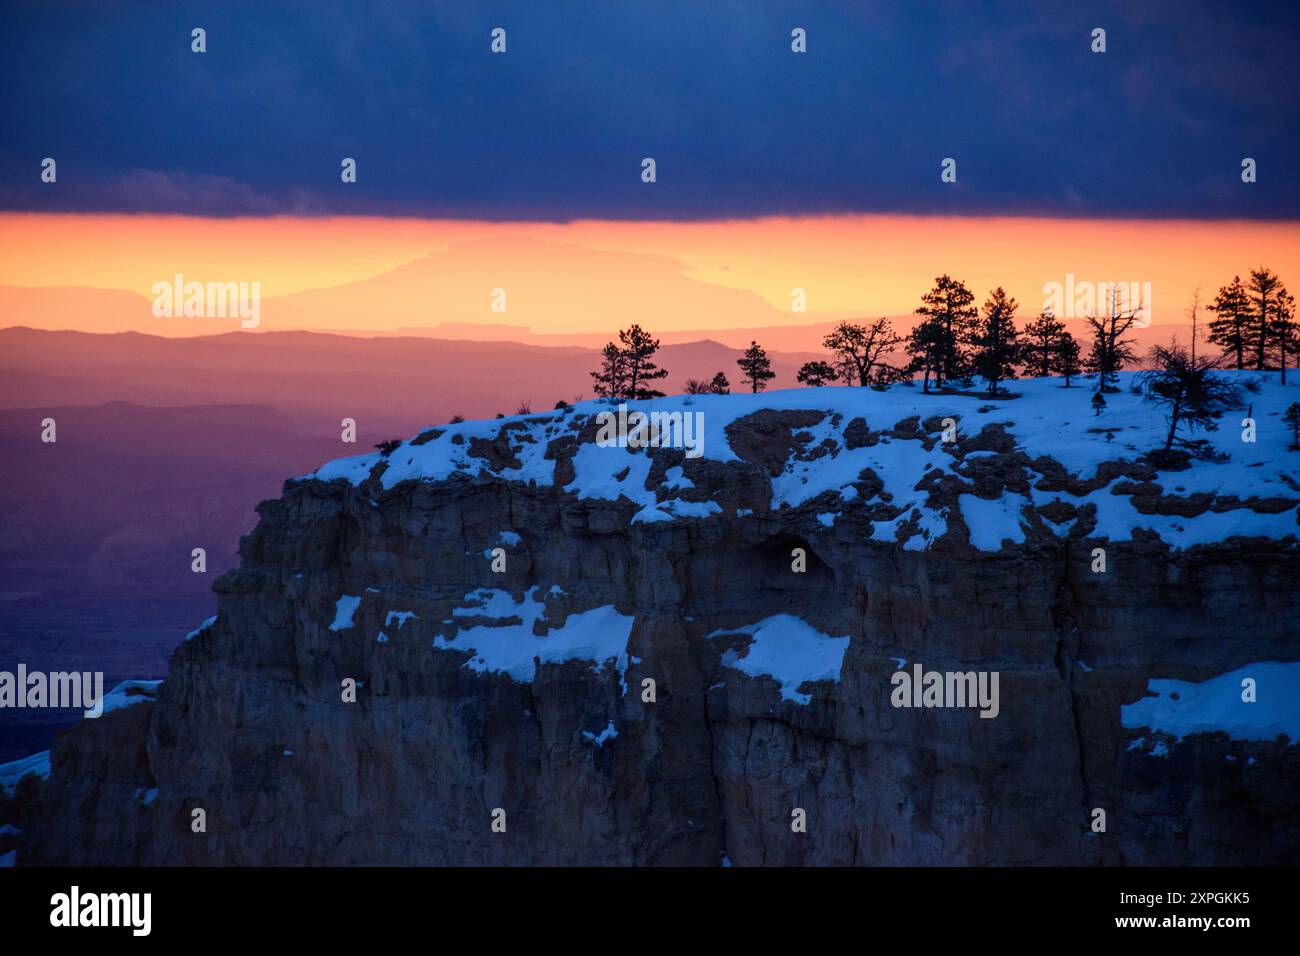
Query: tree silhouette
<point x="610" y="380"/>
<point x="1285" y="332"/>
<point x="720" y="385"/>
<point x="1110" y="349"/>
<point x="939" y="342"/>
<point x="628" y="366"/>
<point x="995" y="341"/>
<point x="923" y="344"/>
<point x="756" y="367"/>
<point x="1191" y="389"/>
<point x="1265" y="292"/>
<point x="1232" y="306"/>
<point x="1042" y="344"/>
<point x="638" y="352"/>
<point x="697" y="386"/>
<point x="1067" y="358"/>
<point x="1292" y="417"/>
<point x="860" y="351"/>
<point x="816" y="373"/>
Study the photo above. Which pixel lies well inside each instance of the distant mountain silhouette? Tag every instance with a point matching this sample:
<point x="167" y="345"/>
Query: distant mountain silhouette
<point x="385" y="383"/>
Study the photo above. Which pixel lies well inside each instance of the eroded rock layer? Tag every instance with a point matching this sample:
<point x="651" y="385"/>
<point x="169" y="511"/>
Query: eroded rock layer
<point x="524" y="689"/>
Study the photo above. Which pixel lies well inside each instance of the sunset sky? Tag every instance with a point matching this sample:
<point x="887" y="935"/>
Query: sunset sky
<point x="848" y="265"/>
<point x="775" y="170"/>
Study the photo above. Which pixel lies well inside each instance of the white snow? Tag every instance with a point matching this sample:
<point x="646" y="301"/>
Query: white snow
<point x="789" y="651"/>
<point x="401" y="617"/>
<point x="1180" y="708"/>
<point x="675" y="477"/>
<point x="12" y="772"/>
<point x="490" y="602"/>
<point x="650" y="514"/>
<point x="676" y="508"/>
<point x="609" y="733"/>
<point x="598" y="635"/>
<point x="611" y="473"/>
<point x="992" y="521"/>
<point x="120" y="695"/>
<point x="1045" y="420"/>
<point x="201" y="628"/>
<point x="345" y="607"/>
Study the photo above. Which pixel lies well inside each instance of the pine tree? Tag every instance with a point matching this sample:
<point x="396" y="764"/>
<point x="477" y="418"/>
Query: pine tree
<point x="860" y="351"/>
<point x="610" y="380"/>
<point x="815" y="374"/>
<point x="923" y="344"/>
<point x="940" y="342"/>
<point x="1292" y="417"/>
<point x="995" y="341"/>
<point x="756" y="367"/>
<point x="720" y="385"/>
<point x="1286" y="335"/>
<point x="638" y="351"/>
<point x="1228" y="331"/>
<point x="1042" y="343"/>
<point x="1191" y="389"/>
<point x="1066" y="360"/>
<point x="1263" y="292"/>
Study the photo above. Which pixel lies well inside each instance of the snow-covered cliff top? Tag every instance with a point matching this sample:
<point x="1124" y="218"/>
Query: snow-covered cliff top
<point x="1254" y="491"/>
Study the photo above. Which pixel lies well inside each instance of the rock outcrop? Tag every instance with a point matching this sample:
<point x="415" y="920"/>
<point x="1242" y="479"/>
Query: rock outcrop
<point x="509" y="687"/>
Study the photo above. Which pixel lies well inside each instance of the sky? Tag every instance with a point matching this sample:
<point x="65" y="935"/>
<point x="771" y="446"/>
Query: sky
<point x="386" y="273"/>
<point x="522" y="170"/>
<point x="739" y="125"/>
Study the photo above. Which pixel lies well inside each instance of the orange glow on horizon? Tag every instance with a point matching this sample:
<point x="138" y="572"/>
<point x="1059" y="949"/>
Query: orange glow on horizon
<point x="718" y="274"/>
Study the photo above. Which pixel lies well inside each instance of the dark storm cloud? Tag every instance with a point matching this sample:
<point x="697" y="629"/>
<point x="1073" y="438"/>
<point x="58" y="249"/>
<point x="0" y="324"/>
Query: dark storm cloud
<point x="738" y="124"/>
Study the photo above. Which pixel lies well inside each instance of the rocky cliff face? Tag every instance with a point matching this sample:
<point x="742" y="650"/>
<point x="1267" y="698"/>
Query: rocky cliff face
<point x="524" y="689"/>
